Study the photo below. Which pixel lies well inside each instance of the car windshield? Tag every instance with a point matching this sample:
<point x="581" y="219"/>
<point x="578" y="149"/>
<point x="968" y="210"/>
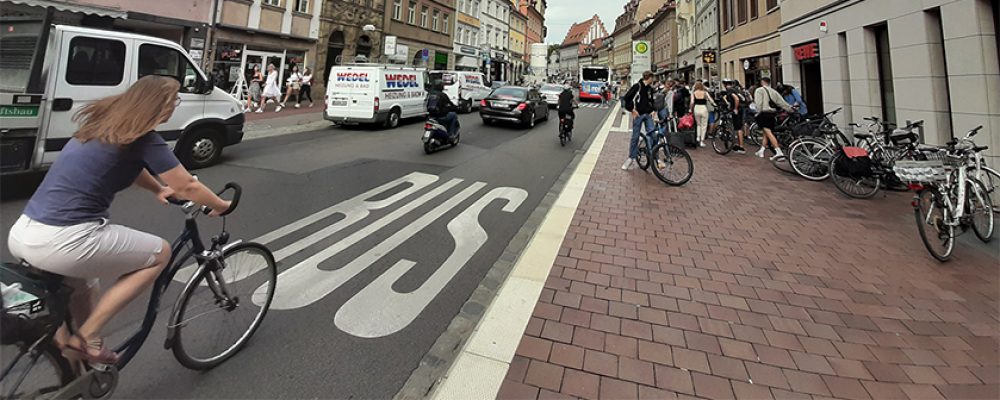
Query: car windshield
<point x="552" y="88"/>
<point x="510" y="93"/>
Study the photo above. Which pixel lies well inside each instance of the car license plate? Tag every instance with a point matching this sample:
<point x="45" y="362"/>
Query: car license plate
<point x="427" y="134"/>
<point x="340" y="103"/>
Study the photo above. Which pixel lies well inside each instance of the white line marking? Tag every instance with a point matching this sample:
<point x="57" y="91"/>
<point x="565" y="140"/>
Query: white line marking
<point x="379" y="310"/>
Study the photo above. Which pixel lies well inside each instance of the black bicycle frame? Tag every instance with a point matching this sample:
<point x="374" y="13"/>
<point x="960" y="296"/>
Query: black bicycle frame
<point x="130" y="347"/>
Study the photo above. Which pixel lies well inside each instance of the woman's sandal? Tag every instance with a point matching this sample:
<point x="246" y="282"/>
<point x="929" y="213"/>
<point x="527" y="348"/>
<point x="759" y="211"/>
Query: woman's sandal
<point x="82" y="350"/>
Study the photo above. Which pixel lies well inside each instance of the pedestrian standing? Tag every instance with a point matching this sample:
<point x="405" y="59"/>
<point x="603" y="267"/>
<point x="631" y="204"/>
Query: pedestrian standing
<point x="794" y="98"/>
<point x="256" y="79"/>
<point x="701" y="101"/>
<point x="681" y="99"/>
<point x="736" y="104"/>
<point x="306" y="90"/>
<point x="768" y="101"/>
<point x="639" y="101"/>
<point x="294" y="82"/>
<point x="271" y="90"/>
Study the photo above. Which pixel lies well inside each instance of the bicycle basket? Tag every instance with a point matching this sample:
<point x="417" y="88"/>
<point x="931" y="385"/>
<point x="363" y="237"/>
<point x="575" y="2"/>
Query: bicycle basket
<point x="30" y="305"/>
<point x="921" y="171"/>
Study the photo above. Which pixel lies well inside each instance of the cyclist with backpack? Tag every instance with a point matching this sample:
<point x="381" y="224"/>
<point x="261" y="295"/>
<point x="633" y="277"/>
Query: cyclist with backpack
<point x="736" y="102"/>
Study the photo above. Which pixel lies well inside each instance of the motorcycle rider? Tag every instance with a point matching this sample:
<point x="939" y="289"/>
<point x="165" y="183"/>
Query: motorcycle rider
<point x="440" y="106"/>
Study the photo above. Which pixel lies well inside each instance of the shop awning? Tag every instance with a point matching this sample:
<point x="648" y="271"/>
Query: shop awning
<point x="75" y="8"/>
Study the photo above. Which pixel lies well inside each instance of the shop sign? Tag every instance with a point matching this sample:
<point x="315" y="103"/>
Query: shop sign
<point x="806" y="51"/>
<point x="467" y="50"/>
<point x="390" y="46"/>
<point x="468" y="20"/>
<point x="197" y="43"/>
<point x="708" y="57"/>
<point x="746" y="65"/>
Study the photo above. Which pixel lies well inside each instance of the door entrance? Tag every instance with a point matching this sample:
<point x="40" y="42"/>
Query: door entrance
<point x="812" y="86"/>
<point x="262" y="59"/>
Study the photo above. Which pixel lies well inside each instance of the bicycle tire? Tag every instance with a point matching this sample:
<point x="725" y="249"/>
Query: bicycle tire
<point x="805" y="159"/>
<point x="755" y="135"/>
<point x="642" y="159"/>
<point x="983" y="226"/>
<point x="929" y="197"/>
<point x="50" y="355"/>
<point x="678" y="157"/>
<point x="991" y="181"/>
<point x="852" y="187"/>
<point x="722" y="142"/>
<point x="181" y="350"/>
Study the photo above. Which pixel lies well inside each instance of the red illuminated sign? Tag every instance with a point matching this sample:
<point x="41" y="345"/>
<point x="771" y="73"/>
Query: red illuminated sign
<point x="807" y="51"/>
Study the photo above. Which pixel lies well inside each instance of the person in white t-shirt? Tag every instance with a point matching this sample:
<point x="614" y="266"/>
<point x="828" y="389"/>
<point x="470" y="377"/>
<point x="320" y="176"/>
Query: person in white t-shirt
<point x="271" y="89"/>
<point x="294" y="84"/>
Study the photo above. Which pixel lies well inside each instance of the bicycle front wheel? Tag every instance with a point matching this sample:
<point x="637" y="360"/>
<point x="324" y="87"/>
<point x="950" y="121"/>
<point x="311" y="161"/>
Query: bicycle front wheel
<point x="643" y="158"/>
<point x="220" y="310"/>
<point x="981" y="210"/>
<point x="37" y="373"/>
<point x="722" y="142"/>
<point x="672" y="164"/>
<point x="991" y="181"/>
<point x="932" y="222"/>
<point x="810" y="159"/>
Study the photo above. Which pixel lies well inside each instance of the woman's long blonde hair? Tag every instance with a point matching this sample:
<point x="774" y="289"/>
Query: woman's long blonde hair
<point x="699" y="86"/>
<point x="123" y="118"/>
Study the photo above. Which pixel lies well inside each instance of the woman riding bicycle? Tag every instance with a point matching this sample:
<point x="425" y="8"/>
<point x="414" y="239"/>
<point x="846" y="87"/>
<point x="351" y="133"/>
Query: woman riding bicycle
<point x="567" y="102"/>
<point x="64" y="228"/>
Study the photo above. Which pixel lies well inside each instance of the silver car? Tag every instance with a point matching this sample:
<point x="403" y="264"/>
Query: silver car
<point x="551" y="93"/>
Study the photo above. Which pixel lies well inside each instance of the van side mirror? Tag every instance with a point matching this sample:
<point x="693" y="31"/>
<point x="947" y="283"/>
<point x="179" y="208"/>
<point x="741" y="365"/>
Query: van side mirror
<point x="208" y="85"/>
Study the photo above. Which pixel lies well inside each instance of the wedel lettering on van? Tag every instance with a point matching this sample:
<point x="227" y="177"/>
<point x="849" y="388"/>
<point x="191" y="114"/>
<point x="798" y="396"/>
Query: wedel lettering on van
<point x="393" y="81"/>
<point x="352" y="77"/>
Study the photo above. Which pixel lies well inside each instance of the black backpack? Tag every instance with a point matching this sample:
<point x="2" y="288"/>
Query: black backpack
<point x="853" y="162"/>
<point x="434" y="104"/>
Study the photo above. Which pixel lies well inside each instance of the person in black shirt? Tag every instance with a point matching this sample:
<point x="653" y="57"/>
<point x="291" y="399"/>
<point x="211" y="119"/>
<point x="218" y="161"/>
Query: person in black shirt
<point x="440" y="106"/>
<point x="567" y="102"/>
<point x="639" y="101"/>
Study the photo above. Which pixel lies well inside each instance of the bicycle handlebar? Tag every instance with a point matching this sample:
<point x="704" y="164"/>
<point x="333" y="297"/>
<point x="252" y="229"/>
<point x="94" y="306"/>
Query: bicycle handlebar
<point x="238" y="192"/>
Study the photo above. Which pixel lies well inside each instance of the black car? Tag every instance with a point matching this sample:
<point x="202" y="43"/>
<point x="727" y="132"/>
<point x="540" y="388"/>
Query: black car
<point x="514" y="104"/>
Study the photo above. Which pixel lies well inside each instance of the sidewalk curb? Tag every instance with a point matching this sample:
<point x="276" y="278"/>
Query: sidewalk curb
<point x="508" y="294"/>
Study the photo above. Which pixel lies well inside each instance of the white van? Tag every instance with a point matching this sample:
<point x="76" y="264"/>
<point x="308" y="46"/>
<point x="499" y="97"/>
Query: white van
<point x="75" y="66"/>
<point x="375" y="93"/>
<point x="465" y="88"/>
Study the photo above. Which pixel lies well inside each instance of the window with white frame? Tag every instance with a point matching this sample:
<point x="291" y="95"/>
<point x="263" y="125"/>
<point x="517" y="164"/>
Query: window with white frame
<point x="411" y="13"/>
<point x="302" y="6"/>
<point x="434" y="24"/>
<point x="461" y="5"/>
<point x="423" y="17"/>
<point x="276" y="3"/>
<point x="397" y="9"/>
<point x="444" y="28"/>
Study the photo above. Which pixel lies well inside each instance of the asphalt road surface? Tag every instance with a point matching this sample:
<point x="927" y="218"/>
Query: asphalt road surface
<point x="378" y="244"/>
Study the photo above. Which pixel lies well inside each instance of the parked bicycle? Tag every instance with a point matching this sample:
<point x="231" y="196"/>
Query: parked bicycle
<point x="880" y="151"/>
<point x="671" y="163"/>
<point x="218" y="310"/>
<point x="809" y="156"/>
<point x="947" y="197"/>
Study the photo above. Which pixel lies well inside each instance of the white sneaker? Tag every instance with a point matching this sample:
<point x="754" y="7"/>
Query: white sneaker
<point x="628" y="164"/>
<point x="259" y="110"/>
<point x="760" y="153"/>
<point x="702" y="143"/>
<point x="311" y="104"/>
<point x="246" y="110"/>
<point x="278" y="109"/>
<point x="777" y="154"/>
<point x="296" y="105"/>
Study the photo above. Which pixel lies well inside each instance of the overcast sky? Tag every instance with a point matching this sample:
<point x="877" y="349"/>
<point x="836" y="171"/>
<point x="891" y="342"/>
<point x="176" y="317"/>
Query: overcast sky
<point x="561" y="14"/>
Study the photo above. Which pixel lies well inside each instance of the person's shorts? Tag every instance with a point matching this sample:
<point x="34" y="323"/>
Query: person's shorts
<point x="765" y="120"/>
<point x="711" y="117"/>
<point x="737" y="120"/>
<point x="88" y="250"/>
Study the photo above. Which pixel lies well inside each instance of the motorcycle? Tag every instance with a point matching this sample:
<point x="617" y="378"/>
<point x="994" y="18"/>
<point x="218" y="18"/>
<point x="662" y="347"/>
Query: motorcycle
<point x="436" y="136"/>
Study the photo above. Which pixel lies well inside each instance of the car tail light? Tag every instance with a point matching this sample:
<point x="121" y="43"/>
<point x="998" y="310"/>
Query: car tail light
<point x="376" y="104"/>
<point x="522" y="106"/>
<point x="482" y="103"/>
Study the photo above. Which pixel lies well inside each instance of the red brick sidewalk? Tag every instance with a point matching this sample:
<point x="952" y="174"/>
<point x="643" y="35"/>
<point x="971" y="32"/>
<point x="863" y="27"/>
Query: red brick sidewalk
<point x="720" y="289"/>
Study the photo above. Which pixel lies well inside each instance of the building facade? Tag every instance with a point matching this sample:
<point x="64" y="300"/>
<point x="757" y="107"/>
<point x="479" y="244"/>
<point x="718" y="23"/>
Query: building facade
<point x="494" y="33"/>
<point x="687" y="40"/>
<point x="535" y="29"/>
<point x="577" y="44"/>
<point x="706" y="33"/>
<point x="518" y="41"/>
<point x="423" y="30"/>
<point x="751" y="45"/>
<point x="258" y="33"/>
<point x="933" y="60"/>
<point x="467" y="46"/>
<point x="664" y="40"/>
<point x="343" y="38"/>
<point x="621" y="54"/>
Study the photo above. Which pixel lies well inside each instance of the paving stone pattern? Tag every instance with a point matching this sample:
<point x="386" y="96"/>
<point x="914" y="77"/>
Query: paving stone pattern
<point x="750" y="283"/>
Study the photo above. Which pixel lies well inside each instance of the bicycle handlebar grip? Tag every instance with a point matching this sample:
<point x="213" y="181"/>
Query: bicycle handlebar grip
<point x="975" y="131"/>
<point x="237" y="193"/>
<point x="980" y="148"/>
<point x="175" y="201"/>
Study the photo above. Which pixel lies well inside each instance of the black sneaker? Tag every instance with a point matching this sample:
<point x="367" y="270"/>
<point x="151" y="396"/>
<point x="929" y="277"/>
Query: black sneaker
<point x="739" y="150"/>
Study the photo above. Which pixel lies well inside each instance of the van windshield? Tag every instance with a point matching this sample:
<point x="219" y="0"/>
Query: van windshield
<point x="446" y="78"/>
<point x="17" y="50"/>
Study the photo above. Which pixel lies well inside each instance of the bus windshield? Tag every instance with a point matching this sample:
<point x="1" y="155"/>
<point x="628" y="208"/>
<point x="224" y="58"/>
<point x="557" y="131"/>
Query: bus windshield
<point x="599" y="74"/>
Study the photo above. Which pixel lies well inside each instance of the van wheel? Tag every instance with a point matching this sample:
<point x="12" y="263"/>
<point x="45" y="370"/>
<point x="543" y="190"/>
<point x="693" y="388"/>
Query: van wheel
<point x="467" y="108"/>
<point x="199" y="148"/>
<point x="392" y="120"/>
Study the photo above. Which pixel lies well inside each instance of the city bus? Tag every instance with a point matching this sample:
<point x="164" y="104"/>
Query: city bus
<point x="592" y="78"/>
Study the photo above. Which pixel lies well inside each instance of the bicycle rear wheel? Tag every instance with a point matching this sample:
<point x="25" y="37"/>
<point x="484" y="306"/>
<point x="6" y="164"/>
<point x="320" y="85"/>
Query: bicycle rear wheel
<point x="722" y="142"/>
<point x="755" y="135"/>
<point x="932" y="222"/>
<point x="810" y="158"/>
<point x="44" y="371"/>
<point x="855" y="187"/>
<point x="991" y="181"/>
<point x="672" y="164"/>
<point x="220" y="310"/>
<point x="980" y="209"/>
